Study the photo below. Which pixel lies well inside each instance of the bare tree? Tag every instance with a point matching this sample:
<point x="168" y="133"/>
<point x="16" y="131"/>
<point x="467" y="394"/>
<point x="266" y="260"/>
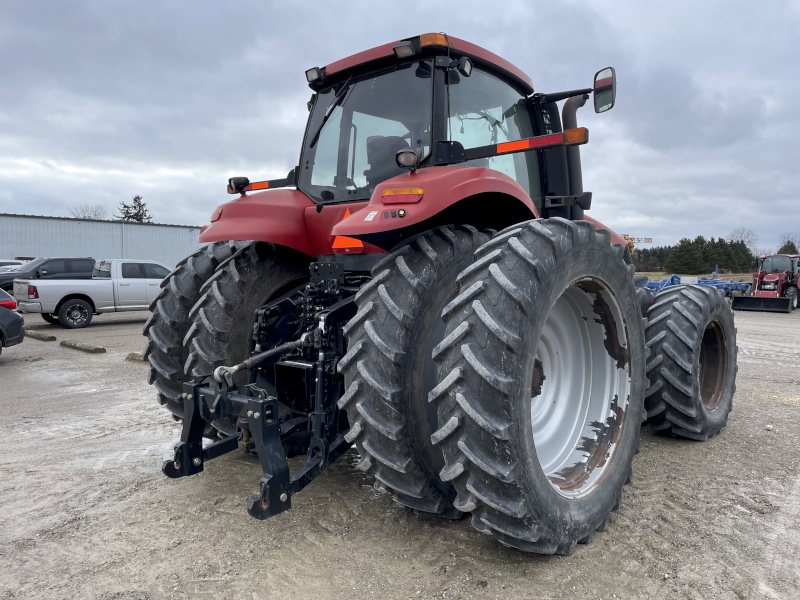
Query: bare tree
<point x="748" y="236"/>
<point x="89" y="211"/>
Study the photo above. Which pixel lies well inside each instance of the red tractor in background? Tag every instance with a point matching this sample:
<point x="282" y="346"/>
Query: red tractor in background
<point x="425" y="286"/>
<point x="774" y="284"/>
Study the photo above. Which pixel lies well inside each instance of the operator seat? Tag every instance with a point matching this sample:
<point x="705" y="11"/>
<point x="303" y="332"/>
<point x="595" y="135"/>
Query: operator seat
<point x="381" y="151"/>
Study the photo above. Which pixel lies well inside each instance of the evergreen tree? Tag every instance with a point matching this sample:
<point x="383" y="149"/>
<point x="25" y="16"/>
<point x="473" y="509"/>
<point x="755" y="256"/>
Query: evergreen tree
<point x="687" y="257"/>
<point x="135" y="211"/>
<point x="788" y="247"/>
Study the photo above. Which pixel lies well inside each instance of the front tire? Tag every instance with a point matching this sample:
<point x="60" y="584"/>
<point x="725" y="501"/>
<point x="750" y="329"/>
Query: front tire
<point x="542" y="382"/>
<point x="389" y="371"/>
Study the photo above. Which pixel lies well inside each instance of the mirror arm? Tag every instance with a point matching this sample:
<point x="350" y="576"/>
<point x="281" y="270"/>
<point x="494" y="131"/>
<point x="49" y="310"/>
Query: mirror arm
<point x="558" y="96"/>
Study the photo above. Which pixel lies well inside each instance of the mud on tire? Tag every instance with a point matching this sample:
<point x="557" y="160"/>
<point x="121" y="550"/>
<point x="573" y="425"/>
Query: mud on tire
<point x="692" y="367"/>
<point x="388" y="369"/>
<point x="505" y="381"/>
<point x="169" y="321"/>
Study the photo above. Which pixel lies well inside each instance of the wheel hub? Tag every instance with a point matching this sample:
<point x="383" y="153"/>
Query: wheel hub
<point x="579" y="387"/>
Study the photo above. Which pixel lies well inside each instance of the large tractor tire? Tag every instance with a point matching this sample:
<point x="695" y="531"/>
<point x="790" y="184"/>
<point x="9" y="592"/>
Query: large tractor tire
<point x="542" y="383"/>
<point x="388" y="368"/>
<point x="222" y="318"/>
<point x="169" y="321"/>
<point x="692" y="367"/>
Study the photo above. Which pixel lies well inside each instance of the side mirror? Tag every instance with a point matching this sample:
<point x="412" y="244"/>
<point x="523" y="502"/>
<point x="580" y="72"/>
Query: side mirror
<point x="42" y="272"/>
<point x="605" y="89"/>
<point x="753" y="264"/>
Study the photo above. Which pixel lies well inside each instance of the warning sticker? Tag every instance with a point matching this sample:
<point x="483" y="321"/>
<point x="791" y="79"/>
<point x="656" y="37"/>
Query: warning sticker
<point x="371" y="215"/>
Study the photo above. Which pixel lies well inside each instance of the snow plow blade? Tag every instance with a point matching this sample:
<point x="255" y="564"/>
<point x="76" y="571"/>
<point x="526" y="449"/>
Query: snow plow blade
<point x="782" y="305"/>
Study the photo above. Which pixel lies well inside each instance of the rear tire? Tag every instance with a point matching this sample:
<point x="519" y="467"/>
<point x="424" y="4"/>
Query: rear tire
<point x="50" y="318"/>
<point x="75" y="314"/>
<point x="388" y="368"/>
<point x="541" y="461"/>
<point x="222" y="319"/>
<point x="692" y="369"/>
<point x="169" y="321"/>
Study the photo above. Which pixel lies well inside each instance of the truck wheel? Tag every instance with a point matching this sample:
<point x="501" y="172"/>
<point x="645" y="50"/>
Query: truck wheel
<point x="50" y="318"/>
<point x="791" y="292"/>
<point x="169" y="323"/>
<point x="388" y="369"/>
<point x="75" y="314"/>
<point x="222" y="319"/>
<point x="692" y="368"/>
<point x="542" y="383"/>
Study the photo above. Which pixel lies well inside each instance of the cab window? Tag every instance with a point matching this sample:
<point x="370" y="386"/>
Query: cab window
<point x="131" y="271"/>
<point x="485" y="110"/>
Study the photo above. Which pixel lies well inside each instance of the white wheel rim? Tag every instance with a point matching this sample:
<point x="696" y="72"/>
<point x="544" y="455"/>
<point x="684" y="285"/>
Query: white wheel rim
<point x="578" y="417"/>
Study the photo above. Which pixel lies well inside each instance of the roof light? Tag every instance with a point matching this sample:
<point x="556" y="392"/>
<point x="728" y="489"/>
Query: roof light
<point x="313" y="74"/>
<point x="404" y="50"/>
<point x="236" y="185"/>
<point x="402" y="195"/>
<point x="576" y="137"/>
<point x="407" y="158"/>
<point x="216" y="214"/>
<point x="433" y="39"/>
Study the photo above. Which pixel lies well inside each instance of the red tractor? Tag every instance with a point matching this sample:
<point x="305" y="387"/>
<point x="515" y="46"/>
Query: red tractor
<point x="425" y="285"/>
<point x="774" y="284"/>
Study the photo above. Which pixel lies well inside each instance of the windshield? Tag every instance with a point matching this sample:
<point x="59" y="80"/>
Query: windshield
<point x="777" y="264"/>
<point x="31" y="266"/>
<point x="376" y="115"/>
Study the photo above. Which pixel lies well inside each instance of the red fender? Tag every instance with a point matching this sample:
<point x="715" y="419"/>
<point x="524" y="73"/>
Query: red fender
<point x="281" y="216"/>
<point x="443" y="187"/>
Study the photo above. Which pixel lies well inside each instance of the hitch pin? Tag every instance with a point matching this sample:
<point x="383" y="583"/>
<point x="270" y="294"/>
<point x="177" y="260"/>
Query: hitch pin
<point x="223" y="374"/>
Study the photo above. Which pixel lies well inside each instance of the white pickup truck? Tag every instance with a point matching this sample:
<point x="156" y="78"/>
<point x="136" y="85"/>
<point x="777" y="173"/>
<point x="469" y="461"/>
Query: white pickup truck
<point x="116" y="286"/>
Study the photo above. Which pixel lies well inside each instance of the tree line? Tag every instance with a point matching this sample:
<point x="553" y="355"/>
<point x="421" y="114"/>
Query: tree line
<point x="700" y="255"/>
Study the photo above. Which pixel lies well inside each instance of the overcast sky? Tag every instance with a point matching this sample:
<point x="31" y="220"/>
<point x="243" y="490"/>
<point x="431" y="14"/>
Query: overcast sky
<point x="102" y="100"/>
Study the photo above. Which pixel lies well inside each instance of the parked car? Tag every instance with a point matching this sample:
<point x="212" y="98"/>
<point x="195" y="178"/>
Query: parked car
<point x="12" y="325"/>
<point x="116" y="286"/>
<point x="48" y="268"/>
<point x="10" y="263"/>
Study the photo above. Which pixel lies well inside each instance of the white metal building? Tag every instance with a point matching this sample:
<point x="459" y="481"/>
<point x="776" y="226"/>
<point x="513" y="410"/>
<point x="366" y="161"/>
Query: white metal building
<point x="30" y="236"/>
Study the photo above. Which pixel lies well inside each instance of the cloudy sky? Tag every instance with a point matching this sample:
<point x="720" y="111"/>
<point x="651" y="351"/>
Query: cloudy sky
<point x="102" y="100"/>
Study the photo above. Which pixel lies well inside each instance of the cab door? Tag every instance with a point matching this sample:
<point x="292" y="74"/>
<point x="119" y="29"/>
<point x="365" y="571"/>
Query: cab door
<point x="154" y="274"/>
<point x="131" y="286"/>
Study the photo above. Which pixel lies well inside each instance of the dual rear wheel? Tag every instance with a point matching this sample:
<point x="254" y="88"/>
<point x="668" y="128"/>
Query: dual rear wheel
<point x="500" y="377"/>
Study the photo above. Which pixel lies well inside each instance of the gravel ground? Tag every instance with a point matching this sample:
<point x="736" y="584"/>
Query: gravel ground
<point x="86" y="512"/>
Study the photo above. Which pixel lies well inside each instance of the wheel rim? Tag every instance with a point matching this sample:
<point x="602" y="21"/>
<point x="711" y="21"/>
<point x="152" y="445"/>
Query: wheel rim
<point x="713" y="365"/>
<point x="579" y="388"/>
<point x="77" y="314"/>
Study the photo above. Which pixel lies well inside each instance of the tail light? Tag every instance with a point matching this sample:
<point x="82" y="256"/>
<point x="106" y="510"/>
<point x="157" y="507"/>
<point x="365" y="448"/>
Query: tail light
<point x="33" y="293"/>
<point x="10" y="304"/>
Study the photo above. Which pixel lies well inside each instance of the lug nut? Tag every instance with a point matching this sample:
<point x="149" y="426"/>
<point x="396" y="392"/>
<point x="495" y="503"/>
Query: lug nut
<point x="284" y="497"/>
<point x="256" y="415"/>
<point x="249" y="413"/>
<point x="197" y="462"/>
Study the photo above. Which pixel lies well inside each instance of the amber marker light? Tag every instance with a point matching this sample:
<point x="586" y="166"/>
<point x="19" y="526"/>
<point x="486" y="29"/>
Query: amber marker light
<point x="576" y="137"/>
<point x="402" y="195"/>
<point x="433" y="39"/>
